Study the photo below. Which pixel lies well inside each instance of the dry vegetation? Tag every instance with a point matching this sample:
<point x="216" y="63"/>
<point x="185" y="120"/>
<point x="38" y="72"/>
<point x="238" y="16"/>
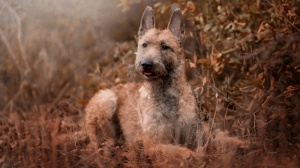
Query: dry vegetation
<point x="244" y="66"/>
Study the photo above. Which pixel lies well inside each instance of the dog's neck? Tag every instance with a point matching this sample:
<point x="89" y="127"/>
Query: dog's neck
<point x="174" y="79"/>
<point x="166" y="93"/>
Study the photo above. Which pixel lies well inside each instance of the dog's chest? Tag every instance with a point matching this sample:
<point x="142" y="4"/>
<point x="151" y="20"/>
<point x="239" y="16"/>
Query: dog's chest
<point x="164" y="102"/>
<point x="163" y="113"/>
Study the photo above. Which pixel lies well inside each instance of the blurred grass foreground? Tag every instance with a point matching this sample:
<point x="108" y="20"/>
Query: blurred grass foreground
<point x="244" y="65"/>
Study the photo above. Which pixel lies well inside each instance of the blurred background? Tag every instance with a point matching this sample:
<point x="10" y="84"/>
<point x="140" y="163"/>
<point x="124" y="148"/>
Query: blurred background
<point x="243" y="62"/>
<point x="49" y="45"/>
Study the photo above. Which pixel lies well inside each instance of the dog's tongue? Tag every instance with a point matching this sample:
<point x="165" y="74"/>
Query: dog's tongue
<point x="148" y="73"/>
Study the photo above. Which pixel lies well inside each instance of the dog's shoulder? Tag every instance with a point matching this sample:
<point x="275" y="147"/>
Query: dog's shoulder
<point x="127" y="91"/>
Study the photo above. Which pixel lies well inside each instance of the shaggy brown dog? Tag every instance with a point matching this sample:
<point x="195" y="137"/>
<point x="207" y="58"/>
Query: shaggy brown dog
<point x="160" y="112"/>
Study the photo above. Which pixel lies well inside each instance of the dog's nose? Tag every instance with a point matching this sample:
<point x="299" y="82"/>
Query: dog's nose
<point x="147" y="65"/>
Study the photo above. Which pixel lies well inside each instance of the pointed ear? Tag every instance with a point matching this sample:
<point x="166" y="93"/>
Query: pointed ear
<point x="147" y="21"/>
<point x="176" y="24"/>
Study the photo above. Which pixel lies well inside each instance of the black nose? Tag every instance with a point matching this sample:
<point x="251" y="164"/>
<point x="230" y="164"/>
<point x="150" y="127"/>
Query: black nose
<point x="147" y="65"/>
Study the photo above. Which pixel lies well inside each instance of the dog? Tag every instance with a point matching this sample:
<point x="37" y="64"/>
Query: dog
<point x="160" y="112"/>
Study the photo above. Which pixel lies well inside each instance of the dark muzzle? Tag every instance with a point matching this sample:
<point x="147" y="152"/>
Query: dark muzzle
<point x="147" y="65"/>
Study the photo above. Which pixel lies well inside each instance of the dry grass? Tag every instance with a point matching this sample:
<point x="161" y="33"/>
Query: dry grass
<point x="244" y="67"/>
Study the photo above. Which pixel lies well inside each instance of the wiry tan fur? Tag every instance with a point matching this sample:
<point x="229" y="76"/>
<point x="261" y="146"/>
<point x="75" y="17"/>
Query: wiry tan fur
<point x="160" y="112"/>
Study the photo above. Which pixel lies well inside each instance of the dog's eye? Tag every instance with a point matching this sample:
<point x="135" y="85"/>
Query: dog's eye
<point x="164" y="47"/>
<point x="144" y="45"/>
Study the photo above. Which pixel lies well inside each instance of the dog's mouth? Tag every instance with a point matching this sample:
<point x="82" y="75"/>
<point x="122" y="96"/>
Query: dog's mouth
<point x="149" y="74"/>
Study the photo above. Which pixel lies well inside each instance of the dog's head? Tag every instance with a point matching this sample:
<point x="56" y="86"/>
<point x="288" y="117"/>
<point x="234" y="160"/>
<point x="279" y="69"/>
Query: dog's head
<point x="159" y="52"/>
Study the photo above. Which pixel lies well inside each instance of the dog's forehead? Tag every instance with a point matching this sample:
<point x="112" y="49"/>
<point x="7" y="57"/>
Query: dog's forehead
<point x="159" y="36"/>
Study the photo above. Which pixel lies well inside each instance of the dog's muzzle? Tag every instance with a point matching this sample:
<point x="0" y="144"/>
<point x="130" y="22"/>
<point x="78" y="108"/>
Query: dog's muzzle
<point x="147" y="66"/>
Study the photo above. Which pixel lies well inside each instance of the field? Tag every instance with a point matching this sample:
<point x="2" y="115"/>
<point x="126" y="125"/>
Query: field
<point x="243" y="61"/>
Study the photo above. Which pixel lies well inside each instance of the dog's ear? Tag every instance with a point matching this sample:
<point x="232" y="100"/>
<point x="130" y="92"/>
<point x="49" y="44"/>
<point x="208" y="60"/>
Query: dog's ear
<point x="176" y="24"/>
<point x="147" y="21"/>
